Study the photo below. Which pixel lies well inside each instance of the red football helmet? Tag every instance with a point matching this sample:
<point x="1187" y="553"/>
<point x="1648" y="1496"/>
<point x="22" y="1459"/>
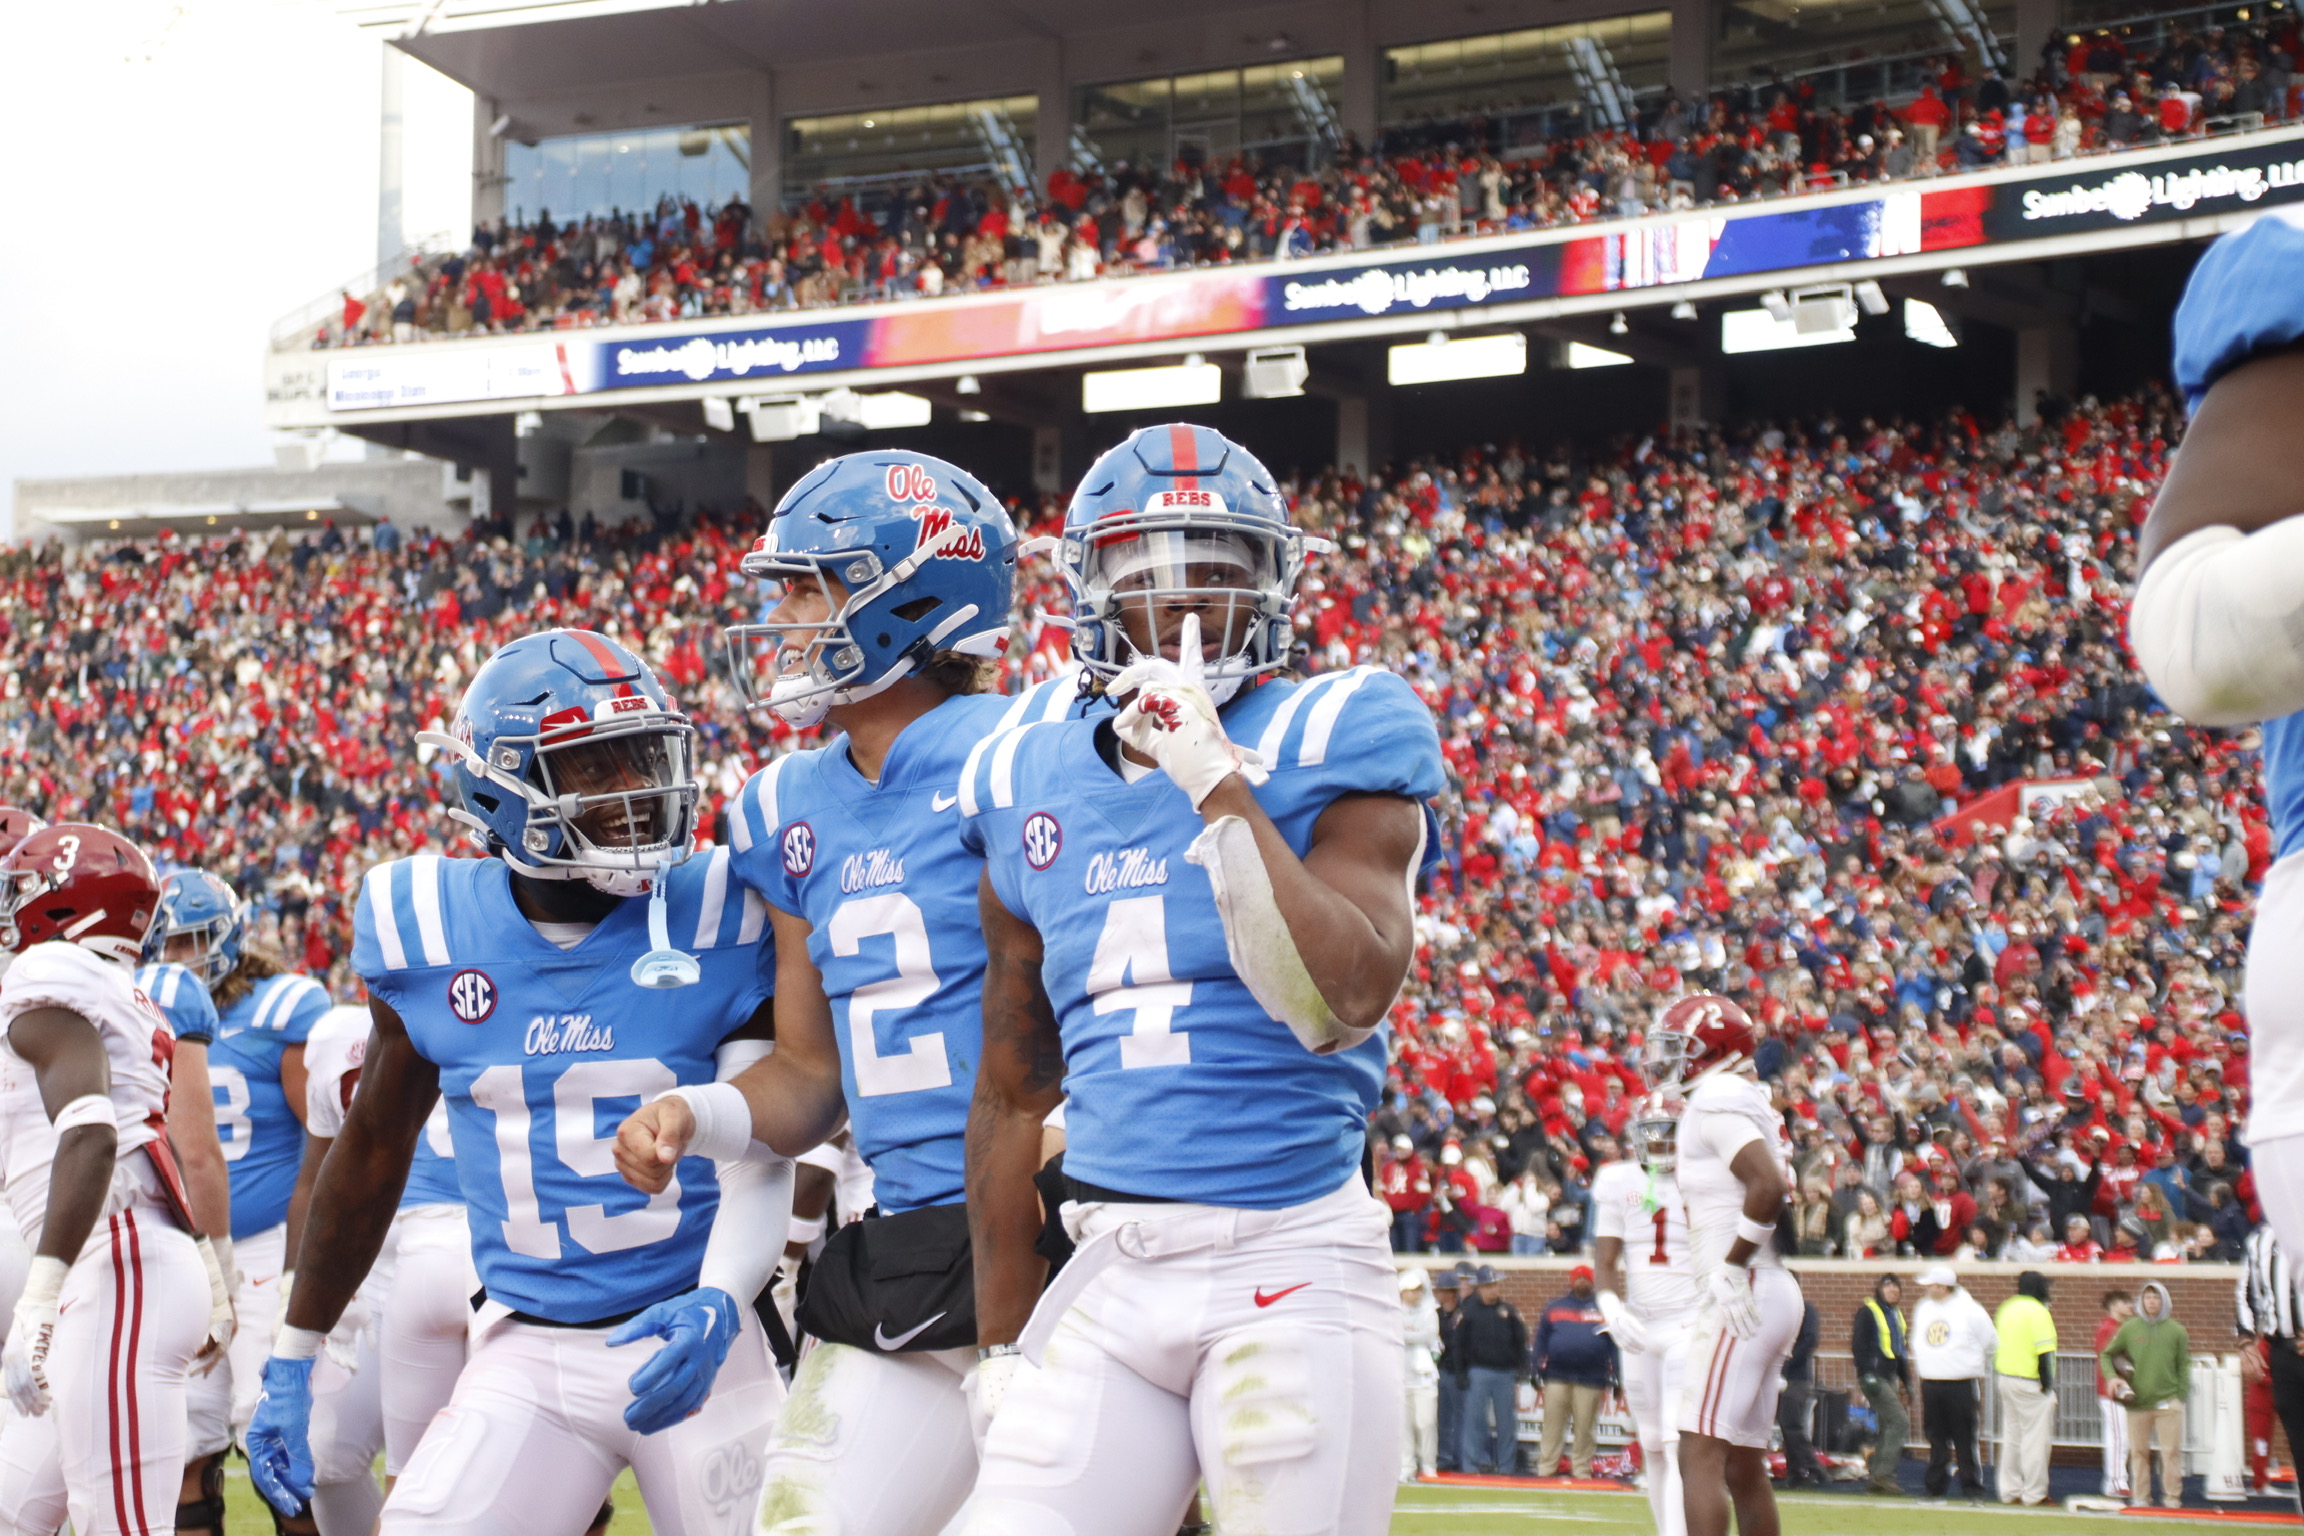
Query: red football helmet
<point x="79" y="884"/>
<point x="16" y="824"/>
<point x="1697" y="1036"/>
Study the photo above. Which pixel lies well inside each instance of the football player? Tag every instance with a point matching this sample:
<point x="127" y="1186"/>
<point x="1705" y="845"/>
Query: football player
<point x="1733" y="1162"/>
<point x="263" y="1013"/>
<point x="540" y="989"/>
<point x="193" y="941"/>
<point x="1647" y="1293"/>
<point x="1198" y="914"/>
<point x="895" y="576"/>
<point x="2218" y="624"/>
<point x="124" y="1293"/>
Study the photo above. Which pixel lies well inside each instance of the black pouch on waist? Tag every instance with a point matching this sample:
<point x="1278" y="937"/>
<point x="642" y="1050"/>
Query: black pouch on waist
<point x="893" y="1284"/>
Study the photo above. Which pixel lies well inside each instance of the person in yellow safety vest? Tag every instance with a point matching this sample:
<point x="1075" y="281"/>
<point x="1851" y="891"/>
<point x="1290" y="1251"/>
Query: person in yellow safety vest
<point x="2025" y="1366"/>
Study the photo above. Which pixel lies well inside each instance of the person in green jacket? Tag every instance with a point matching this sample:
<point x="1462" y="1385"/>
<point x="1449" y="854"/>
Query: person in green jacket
<point x="2149" y="1365"/>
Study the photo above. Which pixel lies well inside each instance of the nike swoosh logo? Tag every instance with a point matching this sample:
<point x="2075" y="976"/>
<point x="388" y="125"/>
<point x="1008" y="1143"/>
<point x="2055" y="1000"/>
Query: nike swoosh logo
<point x="880" y="1334"/>
<point x="1263" y="1300"/>
<point x="942" y="803"/>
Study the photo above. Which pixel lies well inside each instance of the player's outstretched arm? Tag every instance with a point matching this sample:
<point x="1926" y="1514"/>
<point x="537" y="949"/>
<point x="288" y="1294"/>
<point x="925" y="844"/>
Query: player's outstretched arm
<point x="66" y="1055"/>
<point x="2218" y="619"/>
<point x="1019" y="1080"/>
<point x="792" y="1100"/>
<point x="358" y="1187"/>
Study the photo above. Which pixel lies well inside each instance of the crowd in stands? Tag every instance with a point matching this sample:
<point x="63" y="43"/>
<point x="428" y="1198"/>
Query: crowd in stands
<point x="1723" y="713"/>
<point x="1426" y="183"/>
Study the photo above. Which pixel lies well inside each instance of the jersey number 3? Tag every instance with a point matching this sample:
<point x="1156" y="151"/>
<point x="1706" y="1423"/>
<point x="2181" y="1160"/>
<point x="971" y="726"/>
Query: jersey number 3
<point x="587" y="1154"/>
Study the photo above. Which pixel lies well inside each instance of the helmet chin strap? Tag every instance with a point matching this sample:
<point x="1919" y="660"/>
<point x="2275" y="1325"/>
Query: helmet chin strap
<point x="663" y="967"/>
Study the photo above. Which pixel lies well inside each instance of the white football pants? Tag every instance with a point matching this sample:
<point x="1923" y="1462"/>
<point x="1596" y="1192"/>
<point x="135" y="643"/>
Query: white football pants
<point x="1420" y="1428"/>
<point x="109" y="1453"/>
<point x="535" y="1435"/>
<point x="427" y="1323"/>
<point x="1729" y="1386"/>
<point x="1652" y="1392"/>
<point x="1258" y="1350"/>
<point x="870" y="1445"/>
<point x="222" y="1402"/>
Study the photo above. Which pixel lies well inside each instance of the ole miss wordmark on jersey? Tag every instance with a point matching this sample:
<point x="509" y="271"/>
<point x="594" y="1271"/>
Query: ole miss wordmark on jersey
<point x="263" y="1141"/>
<point x="1178" y="1083"/>
<point x="889" y="893"/>
<point x="542" y="1053"/>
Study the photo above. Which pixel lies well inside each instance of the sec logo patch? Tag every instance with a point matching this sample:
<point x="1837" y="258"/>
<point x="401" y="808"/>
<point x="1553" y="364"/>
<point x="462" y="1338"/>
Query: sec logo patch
<point x="1043" y="839"/>
<point x="799" y="849"/>
<point x="471" y="996"/>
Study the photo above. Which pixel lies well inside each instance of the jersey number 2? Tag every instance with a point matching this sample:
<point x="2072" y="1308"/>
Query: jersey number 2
<point x="923" y="1063"/>
<point x="585" y="1153"/>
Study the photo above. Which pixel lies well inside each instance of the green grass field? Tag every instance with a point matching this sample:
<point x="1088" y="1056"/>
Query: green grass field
<point x="1449" y="1511"/>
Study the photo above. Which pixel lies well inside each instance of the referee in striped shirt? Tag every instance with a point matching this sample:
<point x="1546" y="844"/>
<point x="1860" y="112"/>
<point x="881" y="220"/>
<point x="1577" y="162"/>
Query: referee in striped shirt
<point x="2269" y="1309"/>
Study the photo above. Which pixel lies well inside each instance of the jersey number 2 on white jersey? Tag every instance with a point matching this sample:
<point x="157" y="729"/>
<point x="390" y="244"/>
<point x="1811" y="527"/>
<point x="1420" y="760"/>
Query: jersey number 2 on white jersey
<point x="587" y="1154"/>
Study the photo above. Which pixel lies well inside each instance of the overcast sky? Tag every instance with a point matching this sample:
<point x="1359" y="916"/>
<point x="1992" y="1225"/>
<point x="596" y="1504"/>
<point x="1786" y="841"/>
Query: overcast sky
<point x="179" y="176"/>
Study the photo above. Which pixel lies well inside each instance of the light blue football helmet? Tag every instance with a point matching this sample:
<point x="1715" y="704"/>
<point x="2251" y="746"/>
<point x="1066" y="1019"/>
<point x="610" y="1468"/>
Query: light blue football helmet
<point x="1181" y="518"/>
<point x="573" y="762"/>
<point x="912" y="555"/>
<point x="196" y="902"/>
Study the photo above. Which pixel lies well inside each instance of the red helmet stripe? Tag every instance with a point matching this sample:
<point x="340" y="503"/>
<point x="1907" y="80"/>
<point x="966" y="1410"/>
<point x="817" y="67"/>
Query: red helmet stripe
<point x="1184" y="448"/>
<point x="610" y="663"/>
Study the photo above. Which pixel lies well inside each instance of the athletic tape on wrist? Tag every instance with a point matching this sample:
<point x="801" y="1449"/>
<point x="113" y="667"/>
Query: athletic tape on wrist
<point x="804" y="1229"/>
<point x="298" y="1343"/>
<point x="723" y="1120"/>
<point x="1760" y="1234"/>
<point x="88" y="1109"/>
<point x="43" y="1282"/>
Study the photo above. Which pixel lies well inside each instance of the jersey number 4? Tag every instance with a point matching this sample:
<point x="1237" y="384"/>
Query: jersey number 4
<point x="1130" y="972"/>
<point x="575" y="1116"/>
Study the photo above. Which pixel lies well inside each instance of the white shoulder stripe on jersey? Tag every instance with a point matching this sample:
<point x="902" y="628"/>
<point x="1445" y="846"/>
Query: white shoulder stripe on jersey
<point x="715" y="899"/>
<point x="1276" y="729"/>
<point x="968" y="805"/>
<point x="424" y="893"/>
<point x="168" y="980"/>
<point x="284" y="995"/>
<point x="1321" y="723"/>
<point x="1014" y="713"/>
<point x="739" y="830"/>
<point x="765" y="797"/>
<point x="755" y="918"/>
<point x="1004" y="767"/>
<point x="377" y="893"/>
<point x="1063" y="693"/>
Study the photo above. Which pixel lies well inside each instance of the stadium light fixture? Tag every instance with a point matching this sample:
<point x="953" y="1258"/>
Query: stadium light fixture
<point x="1274" y="373"/>
<point x="1684" y="310"/>
<point x="880" y="411"/>
<point x="1777" y="306"/>
<point x="1756" y="330"/>
<point x="1955" y="277"/>
<point x="781" y="418"/>
<point x="1582" y="356"/>
<point x="975" y="416"/>
<point x="1619" y="326"/>
<point x="1869" y="296"/>
<point x="1827" y="307"/>
<point x="968" y="385"/>
<point x="1151" y="389"/>
<point x="1470" y="357"/>
<point x="1926" y="324"/>
<point x="719" y="413"/>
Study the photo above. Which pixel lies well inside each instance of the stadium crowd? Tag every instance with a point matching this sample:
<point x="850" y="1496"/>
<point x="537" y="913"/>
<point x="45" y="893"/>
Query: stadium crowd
<point x="1425" y="182"/>
<point x="1722" y="713"/>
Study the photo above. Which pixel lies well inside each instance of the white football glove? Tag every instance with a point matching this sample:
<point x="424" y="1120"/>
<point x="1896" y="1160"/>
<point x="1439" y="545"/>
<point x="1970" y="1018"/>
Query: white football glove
<point x="1729" y="1291"/>
<point x="1172" y="720"/>
<point x="31" y="1332"/>
<point x="1630" y="1334"/>
<point x="223" y="1321"/>
<point x="987" y="1387"/>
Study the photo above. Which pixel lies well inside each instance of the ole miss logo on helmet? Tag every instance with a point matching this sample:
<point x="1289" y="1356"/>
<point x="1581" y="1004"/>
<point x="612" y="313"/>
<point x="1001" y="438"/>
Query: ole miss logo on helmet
<point x="471" y="996"/>
<point x="911" y="484"/>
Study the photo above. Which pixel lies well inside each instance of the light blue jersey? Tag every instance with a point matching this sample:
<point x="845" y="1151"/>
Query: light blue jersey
<point x="2284" y="782"/>
<point x="183" y="997"/>
<point x="889" y="894"/>
<point x="542" y="1053"/>
<point x="263" y="1140"/>
<point x="1178" y="1084"/>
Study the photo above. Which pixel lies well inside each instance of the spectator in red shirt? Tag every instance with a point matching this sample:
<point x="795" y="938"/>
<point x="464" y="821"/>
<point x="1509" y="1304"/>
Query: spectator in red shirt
<point x="1406" y="1180"/>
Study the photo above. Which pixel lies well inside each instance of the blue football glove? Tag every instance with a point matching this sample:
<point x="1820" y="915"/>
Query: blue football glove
<point x="279" y="1436"/>
<point x="697" y="1330"/>
<point x="2245" y="297"/>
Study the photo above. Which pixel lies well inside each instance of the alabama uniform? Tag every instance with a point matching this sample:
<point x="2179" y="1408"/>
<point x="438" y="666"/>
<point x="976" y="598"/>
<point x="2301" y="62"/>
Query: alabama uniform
<point x="1729" y="1385"/>
<point x="542" y="1052"/>
<point x="889" y="892"/>
<point x="425" y="1332"/>
<point x="1641" y="1208"/>
<point x="109" y="1451"/>
<point x="1232" y="1309"/>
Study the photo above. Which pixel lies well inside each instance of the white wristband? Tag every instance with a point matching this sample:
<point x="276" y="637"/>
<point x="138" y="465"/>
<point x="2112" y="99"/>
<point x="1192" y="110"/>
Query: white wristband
<point x="1759" y="1234"/>
<point x="804" y="1229"/>
<point x="723" y="1120"/>
<point x="298" y="1343"/>
<point x="88" y="1109"/>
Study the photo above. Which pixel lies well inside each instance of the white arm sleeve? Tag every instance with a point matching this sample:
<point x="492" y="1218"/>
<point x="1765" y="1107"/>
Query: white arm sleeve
<point x="2218" y="624"/>
<point x="1257" y="937"/>
<point x="747" y="1241"/>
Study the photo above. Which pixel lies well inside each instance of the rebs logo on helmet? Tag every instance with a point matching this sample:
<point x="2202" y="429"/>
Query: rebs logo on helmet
<point x="471" y="996"/>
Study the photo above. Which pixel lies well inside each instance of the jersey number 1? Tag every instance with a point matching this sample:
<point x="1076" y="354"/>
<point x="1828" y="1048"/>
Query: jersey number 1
<point x="1663" y="1224"/>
